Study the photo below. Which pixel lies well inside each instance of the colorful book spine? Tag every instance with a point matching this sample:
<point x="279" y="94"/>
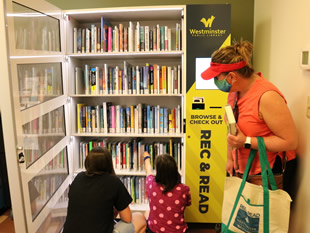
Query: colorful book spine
<point x="121" y="37"/>
<point x="166" y="38"/>
<point x="86" y="80"/>
<point x="161" y="120"/>
<point x="162" y="38"/>
<point x="128" y="120"/>
<point x="177" y="37"/>
<point x="169" y="39"/>
<point x="142" y="39"/>
<point x="158" y="37"/>
<point x="151" y="79"/>
<point x="118" y="119"/>
<point x="164" y="80"/>
<point x="147" y="38"/>
<point x="125" y="39"/>
<point x="165" y="123"/>
<point x="130" y="37"/>
<point x="138" y="79"/>
<point x="110" y="33"/>
<point x="138" y="47"/>
<point x="93" y="80"/>
<point x="154" y="39"/>
<point x="89" y="118"/>
<point x="112" y="129"/>
<point x="132" y="119"/>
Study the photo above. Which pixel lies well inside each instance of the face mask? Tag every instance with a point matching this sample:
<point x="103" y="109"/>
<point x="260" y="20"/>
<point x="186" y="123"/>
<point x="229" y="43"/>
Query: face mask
<point x="223" y="85"/>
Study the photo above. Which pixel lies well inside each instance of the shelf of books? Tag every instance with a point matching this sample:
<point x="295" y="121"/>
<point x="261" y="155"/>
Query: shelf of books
<point x="125" y="78"/>
<point x="111" y="77"/>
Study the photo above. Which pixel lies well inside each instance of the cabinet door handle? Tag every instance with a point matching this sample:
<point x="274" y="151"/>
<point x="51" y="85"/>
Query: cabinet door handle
<point x="21" y="157"/>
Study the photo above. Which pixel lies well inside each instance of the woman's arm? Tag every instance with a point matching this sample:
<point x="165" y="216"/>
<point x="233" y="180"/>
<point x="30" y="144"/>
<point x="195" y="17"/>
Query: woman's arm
<point x="125" y="214"/>
<point x="147" y="163"/>
<point x="274" y="111"/>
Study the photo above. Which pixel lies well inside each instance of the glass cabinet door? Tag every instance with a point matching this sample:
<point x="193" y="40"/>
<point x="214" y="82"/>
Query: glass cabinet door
<point x="39" y="90"/>
<point x="38" y="83"/>
<point x="35" y="30"/>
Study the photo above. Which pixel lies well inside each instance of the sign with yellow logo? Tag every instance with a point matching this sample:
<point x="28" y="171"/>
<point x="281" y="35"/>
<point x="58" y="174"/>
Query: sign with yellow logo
<point x="208" y="29"/>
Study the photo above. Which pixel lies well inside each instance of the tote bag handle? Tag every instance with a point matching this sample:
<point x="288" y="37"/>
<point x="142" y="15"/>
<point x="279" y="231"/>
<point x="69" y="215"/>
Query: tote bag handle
<point x="267" y="175"/>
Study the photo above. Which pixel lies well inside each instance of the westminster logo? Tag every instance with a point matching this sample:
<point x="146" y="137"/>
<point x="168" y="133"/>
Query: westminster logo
<point x="207" y="30"/>
<point x="208" y="23"/>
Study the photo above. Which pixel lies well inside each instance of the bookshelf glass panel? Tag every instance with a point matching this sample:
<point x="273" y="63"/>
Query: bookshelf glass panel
<point x="35" y="30"/>
<point x="47" y="181"/>
<point x="57" y="216"/>
<point x="43" y="133"/>
<point x="39" y="83"/>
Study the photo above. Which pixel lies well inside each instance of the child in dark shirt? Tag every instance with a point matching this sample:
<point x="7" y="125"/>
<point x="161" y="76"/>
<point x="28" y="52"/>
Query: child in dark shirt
<point x="95" y="194"/>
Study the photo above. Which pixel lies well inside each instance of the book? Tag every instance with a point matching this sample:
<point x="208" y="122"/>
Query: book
<point x="169" y="39"/>
<point x="110" y="35"/>
<point x="83" y="40"/>
<point x="169" y="80"/>
<point x="93" y="80"/>
<point x="154" y="39"/>
<point x="158" y="37"/>
<point x="98" y="41"/>
<point x="103" y="34"/>
<point x="137" y="32"/>
<point x="79" y="81"/>
<point x="79" y="115"/>
<point x="130" y="37"/>
<point x="79" y="40"/>
<point x="164" y="80"/>
<point x="125" y="39"/>
<point x="142" y="39"/>
<point x="86" y="80"/>
<point x="146" y="38"/>
<point x="121" y="37"/>
<point x="74" y="40"/>
<point x="230" y="120"/>
<point x="87" y="41"/>
<point x="93" y="37"/>
<point x="162" y="38"/>
<point x="137" y="80"/>
<point x="177" y="37"/>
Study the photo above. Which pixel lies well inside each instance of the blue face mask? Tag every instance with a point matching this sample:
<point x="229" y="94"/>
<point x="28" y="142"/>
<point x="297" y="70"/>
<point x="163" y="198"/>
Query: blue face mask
<point x="223" y="85"/>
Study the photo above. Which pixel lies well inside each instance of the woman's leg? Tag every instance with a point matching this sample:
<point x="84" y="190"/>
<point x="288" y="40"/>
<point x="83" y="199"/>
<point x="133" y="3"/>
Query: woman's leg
<point x="139" y="222"/>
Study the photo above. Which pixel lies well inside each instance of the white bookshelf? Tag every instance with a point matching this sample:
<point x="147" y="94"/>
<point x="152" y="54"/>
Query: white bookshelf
<point x="56" y="49"/>
<point x="146" y="16"/>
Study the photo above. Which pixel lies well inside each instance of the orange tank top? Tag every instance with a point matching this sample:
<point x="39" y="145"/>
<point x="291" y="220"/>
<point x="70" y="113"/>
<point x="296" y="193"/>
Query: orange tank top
<point x="250" y="123"/>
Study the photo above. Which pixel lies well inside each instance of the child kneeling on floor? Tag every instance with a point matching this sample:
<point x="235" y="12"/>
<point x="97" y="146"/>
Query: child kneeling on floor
<point x="168" y="197"/>
<point x="96" y="196"/>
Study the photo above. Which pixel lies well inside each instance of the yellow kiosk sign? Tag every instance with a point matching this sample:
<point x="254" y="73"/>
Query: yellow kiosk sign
<point x="206" y="130"/>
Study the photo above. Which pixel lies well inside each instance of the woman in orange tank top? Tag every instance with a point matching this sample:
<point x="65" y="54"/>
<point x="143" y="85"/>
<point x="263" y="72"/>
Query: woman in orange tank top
<point x="260" y="109"/>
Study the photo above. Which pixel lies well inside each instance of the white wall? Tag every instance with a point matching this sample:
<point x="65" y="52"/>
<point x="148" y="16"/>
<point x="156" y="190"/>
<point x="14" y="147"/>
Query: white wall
<point x="281" y="30"/>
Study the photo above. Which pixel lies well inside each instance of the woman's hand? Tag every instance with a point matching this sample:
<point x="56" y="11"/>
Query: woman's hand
<point x="236" y="141"/>
<point x="230" y="166"/>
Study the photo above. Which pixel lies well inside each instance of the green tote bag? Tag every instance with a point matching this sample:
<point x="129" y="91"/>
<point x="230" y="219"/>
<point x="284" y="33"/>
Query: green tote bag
<point x="253" y="208"/>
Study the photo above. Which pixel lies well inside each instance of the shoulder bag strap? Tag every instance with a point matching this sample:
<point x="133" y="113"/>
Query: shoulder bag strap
<point x="244" y="177"/>
<point x="262" y="158"/>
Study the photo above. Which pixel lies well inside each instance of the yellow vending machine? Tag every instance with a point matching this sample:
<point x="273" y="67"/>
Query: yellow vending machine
<point x="207" y="29"/>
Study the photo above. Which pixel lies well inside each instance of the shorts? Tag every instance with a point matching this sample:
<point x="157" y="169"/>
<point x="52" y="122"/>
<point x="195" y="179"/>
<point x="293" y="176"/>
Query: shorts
<point x="124" y="227"/>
